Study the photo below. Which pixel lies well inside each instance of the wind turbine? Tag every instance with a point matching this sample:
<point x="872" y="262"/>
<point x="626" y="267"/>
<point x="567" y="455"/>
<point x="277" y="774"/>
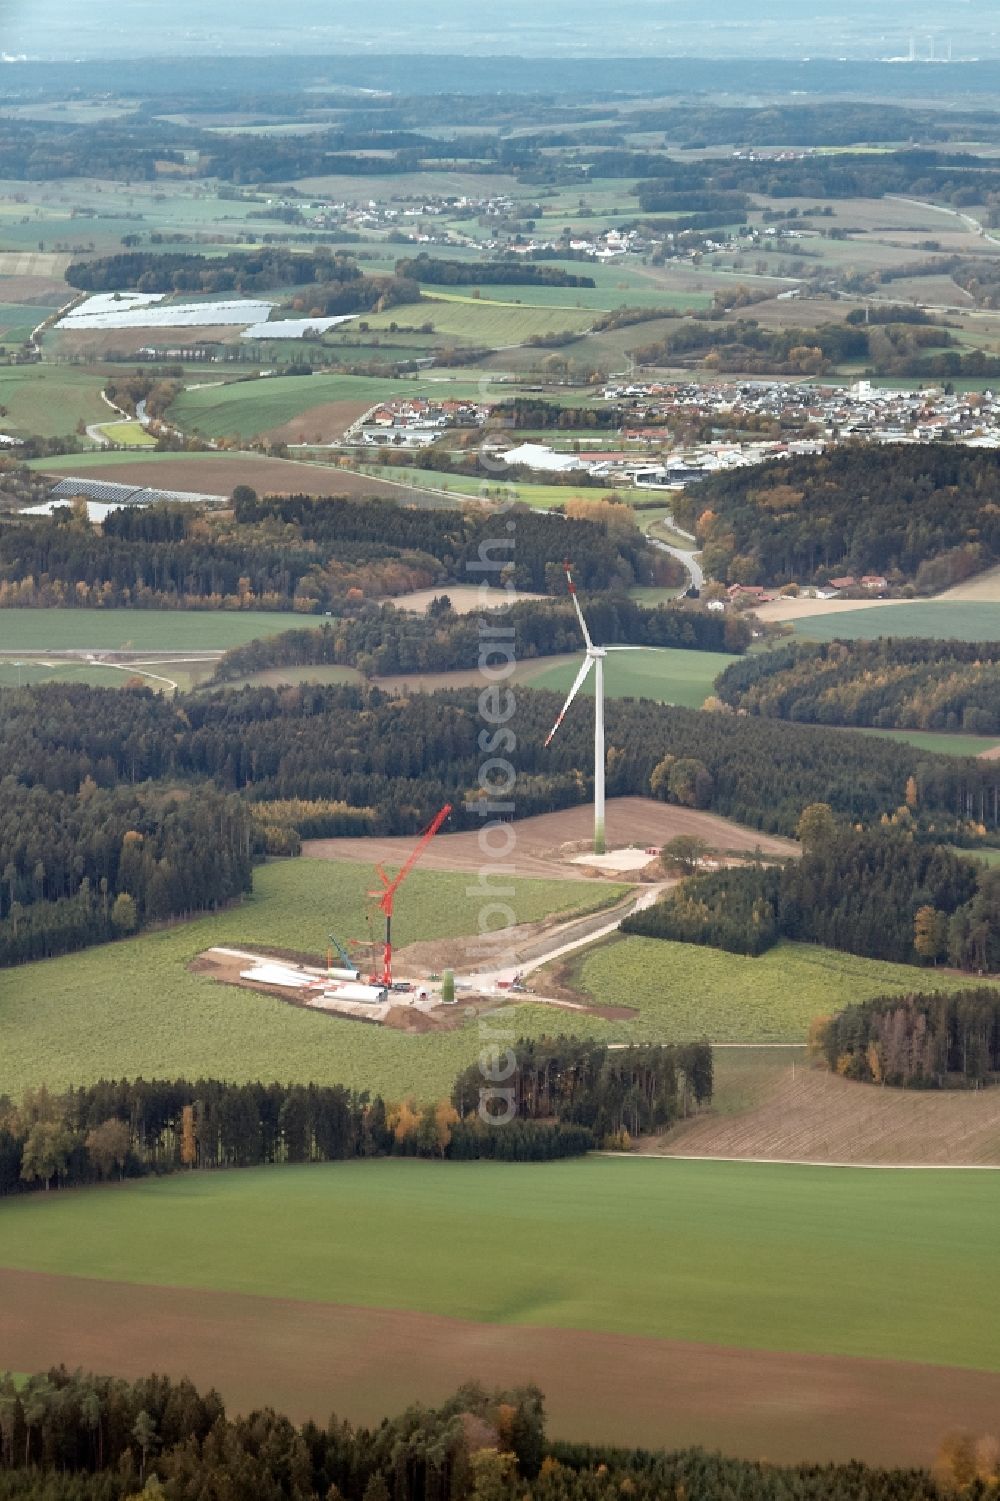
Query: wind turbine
<point x="593" y="659"/>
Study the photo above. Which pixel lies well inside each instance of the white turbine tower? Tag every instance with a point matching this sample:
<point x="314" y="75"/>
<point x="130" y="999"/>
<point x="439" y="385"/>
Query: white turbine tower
<point x="593" y="659"/>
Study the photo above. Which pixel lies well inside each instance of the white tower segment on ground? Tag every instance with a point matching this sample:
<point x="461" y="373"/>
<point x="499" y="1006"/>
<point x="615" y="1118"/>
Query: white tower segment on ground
<point x="593" y="661"/>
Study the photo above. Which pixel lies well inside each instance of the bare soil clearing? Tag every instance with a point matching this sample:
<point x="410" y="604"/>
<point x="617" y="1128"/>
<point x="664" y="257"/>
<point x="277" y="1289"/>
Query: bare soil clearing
<point x="324" y="423"/>
<point x="545" y="844"/>
<point x="806" y="609"/>
<point x="465" y="598"/>
<point x="307" y="1359"/>
<point x="217" y="474"/>
<point x="806" y="1115"/>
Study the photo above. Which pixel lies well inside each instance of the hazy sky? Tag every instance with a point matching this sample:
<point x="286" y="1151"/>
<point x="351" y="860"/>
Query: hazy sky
<point x="725" y="28"/>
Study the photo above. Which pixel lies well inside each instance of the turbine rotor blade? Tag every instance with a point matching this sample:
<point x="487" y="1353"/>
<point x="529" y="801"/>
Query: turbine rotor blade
<point x="588" y="663"/>
<point x="634" y="648"/>
<point x="576" y="605"/>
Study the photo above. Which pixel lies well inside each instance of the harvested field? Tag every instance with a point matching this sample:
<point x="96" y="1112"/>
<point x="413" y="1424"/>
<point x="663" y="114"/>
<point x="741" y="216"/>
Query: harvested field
<point x="35" y="263"/>
<point x="96" y="343"/>
<point x="464" y="599"/>
<point x="983" y="589"/>
<point x="546" y="843"/>
<point x="308" y="1359"/>
<point x="807" y="1115"/>
<point x="321" y="424"/>
<point x="807" y="609"/>
<point x="219" y="474"/>
<point x="45" y="290"/>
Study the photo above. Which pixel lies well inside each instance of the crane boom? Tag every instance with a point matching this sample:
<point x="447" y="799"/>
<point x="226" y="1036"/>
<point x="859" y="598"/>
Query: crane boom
<point x="387" y="894"/>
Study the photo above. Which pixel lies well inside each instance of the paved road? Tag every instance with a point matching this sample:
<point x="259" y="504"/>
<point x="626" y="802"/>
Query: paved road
<point x="688" y="559"/>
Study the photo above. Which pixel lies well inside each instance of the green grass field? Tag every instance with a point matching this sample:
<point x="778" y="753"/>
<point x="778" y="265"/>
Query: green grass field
<point x="139" y="630"/>
<point x="984" y="853"/>
<point x="542" y="497"/>
<point x="246" y="408"/>
<point x="943" y="620"/>
<point x="18" y="320"/>
<point x="130" y="434"/>
<point x="684" y="991"/>
<point x="24" y="674"/>
<point x="766" y="1257"/>
<point x="110" y="458"/>
<point x="669" y="676"/>
<point x="49" y="400"/>
<point x="940" y="741"/>
<point x="493" y="325"/>
<point x="133" y="1008"/>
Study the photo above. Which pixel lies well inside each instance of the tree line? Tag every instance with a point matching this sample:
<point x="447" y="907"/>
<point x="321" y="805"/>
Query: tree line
<point x="924" y="513"/>
<point x="941" y="1040"/>
<point x="256" y="270"/>
<point x="878" y="892"/>
<point x="617" y="1096"/>
<point x="76" y="1436"/>
<point x="534" y="412"/>
<point x="381" y="640"/>
<point x="566" y="1096"/>
<point x="889" y="683"/>
<point x="893" y="347"/>
<point x="298" y="554"/>
<point x="508" y="271"/>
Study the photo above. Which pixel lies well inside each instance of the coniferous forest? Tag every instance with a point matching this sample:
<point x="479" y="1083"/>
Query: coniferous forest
<point x="891" y="683"/>
<point x="881" y="893"/>
<point x="153" y="797"/>
<point x="925" y="515"/>
<point x="917" y="1041"/>
<point x="300" y="554"/>
<point x="74" y="1436"/>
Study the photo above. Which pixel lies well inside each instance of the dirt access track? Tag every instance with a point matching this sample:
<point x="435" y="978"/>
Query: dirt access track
<point x="308" y="1359"/>
<point x="547" y="842"/>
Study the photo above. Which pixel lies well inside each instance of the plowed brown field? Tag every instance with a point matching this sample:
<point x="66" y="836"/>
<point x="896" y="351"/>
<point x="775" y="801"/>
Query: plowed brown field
<point x="218" y="474"/>
<point x="309" y="1359"/>
<point x="546" y="842"/>
<point x="321" y="424"/>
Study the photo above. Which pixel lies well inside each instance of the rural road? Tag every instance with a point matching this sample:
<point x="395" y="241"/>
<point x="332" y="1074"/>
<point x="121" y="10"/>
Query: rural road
<point x="688" y="559"/>
<point x="975" y="225"/>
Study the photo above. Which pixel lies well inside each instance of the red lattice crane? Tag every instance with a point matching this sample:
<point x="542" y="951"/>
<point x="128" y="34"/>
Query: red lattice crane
<point x="389" y="888"/>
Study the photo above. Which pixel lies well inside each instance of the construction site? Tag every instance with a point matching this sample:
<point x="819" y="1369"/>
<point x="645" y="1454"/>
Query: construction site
<point x="357" y="980"/>
<point x="417" y="988"/>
